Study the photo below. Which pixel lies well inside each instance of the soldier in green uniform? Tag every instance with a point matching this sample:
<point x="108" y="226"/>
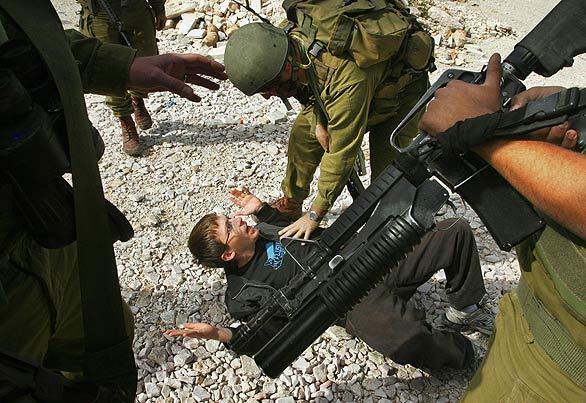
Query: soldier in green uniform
<point x="60" y="304"/>
<point x="538" y="349"/>
<point x="356" y="66"/>
<point x="140" y="18"/>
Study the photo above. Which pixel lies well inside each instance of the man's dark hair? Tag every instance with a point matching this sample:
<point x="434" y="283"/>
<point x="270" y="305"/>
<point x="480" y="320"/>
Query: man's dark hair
<point x="203" y="243"/>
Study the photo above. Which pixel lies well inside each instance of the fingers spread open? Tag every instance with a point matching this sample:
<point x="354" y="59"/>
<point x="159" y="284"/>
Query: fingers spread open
<point x="200" y="81"/>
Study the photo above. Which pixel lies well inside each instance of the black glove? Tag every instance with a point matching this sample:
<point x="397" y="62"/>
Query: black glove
<point x="466" y="134"/>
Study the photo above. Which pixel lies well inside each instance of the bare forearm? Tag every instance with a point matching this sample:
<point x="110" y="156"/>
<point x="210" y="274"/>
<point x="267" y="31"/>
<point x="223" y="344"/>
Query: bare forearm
<point x="551" y="178"/>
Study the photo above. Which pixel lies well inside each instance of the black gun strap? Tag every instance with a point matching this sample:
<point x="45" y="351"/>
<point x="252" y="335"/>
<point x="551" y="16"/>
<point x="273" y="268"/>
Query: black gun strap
<point x="549" y="111"/>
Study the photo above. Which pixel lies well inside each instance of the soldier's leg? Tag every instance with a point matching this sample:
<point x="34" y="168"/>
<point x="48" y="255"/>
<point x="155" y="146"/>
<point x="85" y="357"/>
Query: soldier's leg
<point x="140" y="27"/>
<point x="381" y="151"/>
<point x="516" y="368"/>
<point x="303" y="157"/>
<point x="99" y="26"/>
<point x="386" y="323"/>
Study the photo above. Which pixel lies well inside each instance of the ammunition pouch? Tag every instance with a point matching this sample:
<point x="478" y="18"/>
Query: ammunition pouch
<point x="367" y="32"/>
<point x="34" y="154"/>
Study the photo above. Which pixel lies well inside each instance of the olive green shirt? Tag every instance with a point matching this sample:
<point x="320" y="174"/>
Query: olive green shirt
<point x="347" y="93"/>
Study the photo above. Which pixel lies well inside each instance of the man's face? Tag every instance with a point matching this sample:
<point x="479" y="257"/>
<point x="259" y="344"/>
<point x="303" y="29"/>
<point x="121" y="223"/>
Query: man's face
<point x="239" y="236"/>
<point x="283" y="86"/>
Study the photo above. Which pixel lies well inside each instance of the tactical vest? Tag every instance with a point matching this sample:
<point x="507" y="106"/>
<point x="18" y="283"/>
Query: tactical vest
<point x="565" y="263"/>
<point x="365" y="31"/>
<point x="552" y="293"/>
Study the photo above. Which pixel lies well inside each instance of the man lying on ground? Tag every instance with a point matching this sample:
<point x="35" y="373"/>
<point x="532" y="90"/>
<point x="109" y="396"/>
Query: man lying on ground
<point x="256" y="264"/>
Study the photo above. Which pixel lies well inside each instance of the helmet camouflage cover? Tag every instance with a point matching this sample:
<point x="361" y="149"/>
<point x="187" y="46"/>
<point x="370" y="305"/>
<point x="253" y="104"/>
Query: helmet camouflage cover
<point x="255" y="55"/>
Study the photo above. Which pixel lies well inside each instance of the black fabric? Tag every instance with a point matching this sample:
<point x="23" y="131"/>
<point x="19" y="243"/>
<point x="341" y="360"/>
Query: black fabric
<point x="466" y="134"/>
<point x="383" y="320"/>
<point x="388" y="324"/>
<point x="558" y="37"/>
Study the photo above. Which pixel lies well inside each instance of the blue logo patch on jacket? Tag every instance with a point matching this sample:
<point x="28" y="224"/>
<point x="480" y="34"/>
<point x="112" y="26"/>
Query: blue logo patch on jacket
<point x="275" y="254"/>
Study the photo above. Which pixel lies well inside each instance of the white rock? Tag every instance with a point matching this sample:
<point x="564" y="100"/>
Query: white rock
<point x="197" y="33"/>
<point x="444" y="18"/>
<point x="152" y="390"/>
<point x="187" y="22"/>
<point x="217" y="53"/>
<point x="200" y="394"/>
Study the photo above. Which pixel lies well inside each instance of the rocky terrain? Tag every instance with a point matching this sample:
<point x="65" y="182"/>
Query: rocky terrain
<point x="197" y="152"/>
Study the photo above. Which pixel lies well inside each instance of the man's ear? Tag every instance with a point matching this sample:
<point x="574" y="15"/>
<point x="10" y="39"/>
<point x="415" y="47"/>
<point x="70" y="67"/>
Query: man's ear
<point x="228" y="255"/>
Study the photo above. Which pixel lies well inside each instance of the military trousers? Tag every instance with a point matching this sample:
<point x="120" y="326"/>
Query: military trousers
<point x="139" y="26"/>
<point x="41" y="313"/>
<point x="516" y="368"/>
<point x="386" y="322"/>
<point x="391" y="103"/>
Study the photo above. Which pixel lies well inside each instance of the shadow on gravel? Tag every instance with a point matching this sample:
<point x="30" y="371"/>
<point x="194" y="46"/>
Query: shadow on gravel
<point x="202" y="135"/>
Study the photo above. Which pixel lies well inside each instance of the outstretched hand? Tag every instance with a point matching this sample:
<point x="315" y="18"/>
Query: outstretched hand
<point x="248" y="203"/>
<point x="172" y="72"/>
<point x="201" y="331"/>
<point x="459" y="101"/>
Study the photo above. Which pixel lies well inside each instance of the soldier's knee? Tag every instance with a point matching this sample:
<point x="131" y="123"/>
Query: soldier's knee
<point x="458" y="227"/>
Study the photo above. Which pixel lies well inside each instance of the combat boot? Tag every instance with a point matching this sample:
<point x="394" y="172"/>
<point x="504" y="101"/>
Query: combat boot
<point x="290" y="208"/>
<point x="130" y="140"/>
<point x="142" y="117"/>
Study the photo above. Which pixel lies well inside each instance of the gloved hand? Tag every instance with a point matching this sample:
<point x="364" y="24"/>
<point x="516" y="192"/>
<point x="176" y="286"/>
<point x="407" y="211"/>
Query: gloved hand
<point x="458" y="100"/>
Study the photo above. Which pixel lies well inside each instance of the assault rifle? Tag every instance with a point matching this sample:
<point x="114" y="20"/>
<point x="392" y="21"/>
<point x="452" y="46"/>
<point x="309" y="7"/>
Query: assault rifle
<point x="391" y="216"/>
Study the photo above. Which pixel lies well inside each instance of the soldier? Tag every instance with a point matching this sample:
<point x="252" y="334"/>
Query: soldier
<point x="60" y="303"/>
<point x="140" y="19"/>
<point x="539" y="350"/>
<point x="356" y="66"/>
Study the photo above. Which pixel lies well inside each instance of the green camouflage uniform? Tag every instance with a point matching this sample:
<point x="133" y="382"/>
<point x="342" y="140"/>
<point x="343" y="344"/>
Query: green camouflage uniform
<point x="357" y="100"/>
<point x="538" y="349"/>
<point x="138" y="19"/>
<point x="40" y="299"/>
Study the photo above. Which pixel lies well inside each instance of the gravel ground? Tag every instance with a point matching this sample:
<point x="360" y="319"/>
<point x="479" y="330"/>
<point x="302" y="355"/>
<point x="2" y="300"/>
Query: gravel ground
<point x="196" y="152"/>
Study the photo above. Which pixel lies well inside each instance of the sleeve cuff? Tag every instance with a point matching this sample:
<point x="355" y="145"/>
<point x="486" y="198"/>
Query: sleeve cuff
<point x="322" y="203"/>
<point x="109" y="72"/>
<point x="265" y="213"/>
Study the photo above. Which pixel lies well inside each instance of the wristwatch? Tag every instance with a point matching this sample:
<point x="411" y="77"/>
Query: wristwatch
<point x="313" y="216"/>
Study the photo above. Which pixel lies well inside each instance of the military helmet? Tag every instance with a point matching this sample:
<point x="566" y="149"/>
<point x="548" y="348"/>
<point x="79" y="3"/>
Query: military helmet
<point x="255" y="55"/>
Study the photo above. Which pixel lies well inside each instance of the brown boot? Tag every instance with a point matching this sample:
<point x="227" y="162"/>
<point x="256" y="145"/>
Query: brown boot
<point x="141" y="115"/>
<point x="289" y="207"/>
<point x="130" y="141"/>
